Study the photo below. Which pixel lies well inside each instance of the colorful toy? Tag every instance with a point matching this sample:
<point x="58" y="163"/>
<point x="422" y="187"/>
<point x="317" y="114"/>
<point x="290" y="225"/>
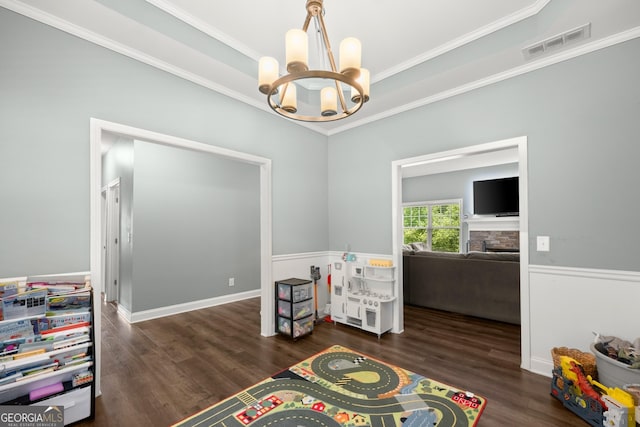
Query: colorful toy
<point x="620" y="397"/>
<point x="380" y="262"/>
<point x="315" y="276"/>
<point x="580" y="393"/>
<point x="580" y="380"/>
<point x="587" y="408"/>
<point x="617" y="415"/>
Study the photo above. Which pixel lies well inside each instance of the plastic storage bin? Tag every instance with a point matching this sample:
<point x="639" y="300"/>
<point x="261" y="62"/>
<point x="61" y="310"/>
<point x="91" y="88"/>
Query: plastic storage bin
<point x="300" y="309"/>
<point x="294" y="307"/>
<point x="284" y="325"/>
<point x="302" y="327"/>
<point x="300" y="292"/>
<point x="613" y="373"/>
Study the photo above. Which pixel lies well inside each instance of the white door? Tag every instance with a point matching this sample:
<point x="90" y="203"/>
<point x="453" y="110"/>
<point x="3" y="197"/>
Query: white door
<point x="112" y="242"/>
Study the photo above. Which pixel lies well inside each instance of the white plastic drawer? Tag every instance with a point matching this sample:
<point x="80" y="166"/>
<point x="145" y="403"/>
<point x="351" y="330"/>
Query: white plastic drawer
<point x="284" y="292"/>
<point x="295" y="293"/>
<point x="284" y="325"/>
<point x="302" y="309"/>
<point x="77" y="404"/>
<point x="284" y="308"/>
<point x="302" y="327"/>
<point x="302" y="292"/>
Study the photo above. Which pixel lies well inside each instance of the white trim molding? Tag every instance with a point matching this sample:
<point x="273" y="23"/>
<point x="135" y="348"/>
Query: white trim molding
<point x="100" y="128"/>
<point x="141" y="316"/>
<point x="493" y="224"/>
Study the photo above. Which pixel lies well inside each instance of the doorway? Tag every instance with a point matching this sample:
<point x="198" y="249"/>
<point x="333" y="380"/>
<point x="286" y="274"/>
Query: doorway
<point x="442" y="162"/>
<point x="111" y="247"/>
<point x="100" y="132"/>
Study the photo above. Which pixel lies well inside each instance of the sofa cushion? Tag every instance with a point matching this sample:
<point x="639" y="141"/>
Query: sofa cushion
<point x="495" y="256"/>
<point x="450" y="255"/>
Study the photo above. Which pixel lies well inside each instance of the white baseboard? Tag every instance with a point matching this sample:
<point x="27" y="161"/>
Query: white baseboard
<point x="155" y="313"/>
<point x="125" y="313"/>
<point x="542" y="366"/>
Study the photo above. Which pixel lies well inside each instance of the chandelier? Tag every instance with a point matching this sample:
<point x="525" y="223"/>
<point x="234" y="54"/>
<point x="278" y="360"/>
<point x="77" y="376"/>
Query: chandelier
<point x="281" y="91"/>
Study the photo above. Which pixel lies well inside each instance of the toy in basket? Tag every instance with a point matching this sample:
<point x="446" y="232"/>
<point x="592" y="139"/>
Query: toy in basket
<point x="586" y="360"/>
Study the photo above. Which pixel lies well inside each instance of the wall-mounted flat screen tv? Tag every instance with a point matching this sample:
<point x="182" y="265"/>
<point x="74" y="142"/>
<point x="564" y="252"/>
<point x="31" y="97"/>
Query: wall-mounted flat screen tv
<point x="498" y="197"/>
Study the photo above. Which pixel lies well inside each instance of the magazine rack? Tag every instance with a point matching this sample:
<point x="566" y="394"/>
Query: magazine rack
<point x="47" y="344"/>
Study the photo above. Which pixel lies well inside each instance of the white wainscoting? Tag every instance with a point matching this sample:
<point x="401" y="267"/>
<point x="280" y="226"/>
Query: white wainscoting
<point x="568" y="304"/>
<point x="299" y="266"/>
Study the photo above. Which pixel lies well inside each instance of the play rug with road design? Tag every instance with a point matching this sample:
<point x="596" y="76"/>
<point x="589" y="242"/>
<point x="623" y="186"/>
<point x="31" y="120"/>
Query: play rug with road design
<point x="343" y="388"/>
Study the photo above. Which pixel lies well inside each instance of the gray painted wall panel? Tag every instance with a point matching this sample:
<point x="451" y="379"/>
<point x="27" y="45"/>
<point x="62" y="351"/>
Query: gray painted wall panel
<point x="581" y="120"/>
<point x="52" y="83"/>
<point x="196" y="224"/>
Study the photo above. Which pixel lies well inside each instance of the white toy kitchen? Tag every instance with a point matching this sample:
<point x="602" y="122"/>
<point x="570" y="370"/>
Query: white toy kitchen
<point x="362" y="295"/>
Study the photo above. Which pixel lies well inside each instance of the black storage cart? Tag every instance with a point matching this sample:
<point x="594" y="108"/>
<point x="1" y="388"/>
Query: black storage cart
<point x="294" y="307"/>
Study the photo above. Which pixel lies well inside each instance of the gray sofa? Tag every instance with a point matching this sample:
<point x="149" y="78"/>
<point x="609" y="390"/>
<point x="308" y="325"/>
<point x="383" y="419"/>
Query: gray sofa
<point x="481" y="284"/>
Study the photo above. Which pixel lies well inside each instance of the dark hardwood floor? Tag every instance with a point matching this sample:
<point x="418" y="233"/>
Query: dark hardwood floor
<point x="158" y="372"/>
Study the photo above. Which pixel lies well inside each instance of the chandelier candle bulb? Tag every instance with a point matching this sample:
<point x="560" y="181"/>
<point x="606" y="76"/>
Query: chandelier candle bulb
<point x="328" y="101"/>
<point x="297" y="50"/>
<point x="363" y="80"/>
<point x="350" y="56"/>
<point x="335" y="97"/>
<point x="267" y="73"/>
<point x="289" y="100"/>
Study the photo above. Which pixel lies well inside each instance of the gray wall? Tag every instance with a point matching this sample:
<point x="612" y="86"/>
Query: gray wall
<point x="452" y="185"/>
<point x="196" y="224"/>
<point x="581" y="120"/>
<point x="52" y="83"/>
<point x="118" y="162"/>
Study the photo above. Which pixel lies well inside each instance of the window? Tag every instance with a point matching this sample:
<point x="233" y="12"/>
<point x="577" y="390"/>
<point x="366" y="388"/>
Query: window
<point x="435" y="224"/>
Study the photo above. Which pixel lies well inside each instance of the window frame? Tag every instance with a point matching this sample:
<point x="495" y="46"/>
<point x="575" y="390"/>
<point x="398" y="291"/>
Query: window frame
<point x="429" y="204"/>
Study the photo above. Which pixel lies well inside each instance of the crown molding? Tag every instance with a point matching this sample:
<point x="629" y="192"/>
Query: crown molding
<point x="68" y="27"/>
<point x="496" y="78"/>
<point x="170" y="8"/>
<point x="100" y="40"/>
<point x="501" y="23"/>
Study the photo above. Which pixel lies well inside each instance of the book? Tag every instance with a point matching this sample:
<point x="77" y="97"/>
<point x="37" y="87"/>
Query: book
<point x="50" y="322"/>
<point x="57" y="287"/>
<point x="17" y="329"/>
<point x="8" y="288"/>
<point x="24" y="304"/>
<point x="69" y="302"/>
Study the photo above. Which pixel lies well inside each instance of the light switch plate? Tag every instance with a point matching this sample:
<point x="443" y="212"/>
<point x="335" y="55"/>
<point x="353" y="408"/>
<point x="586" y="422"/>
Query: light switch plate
<point x="543" y="244"/>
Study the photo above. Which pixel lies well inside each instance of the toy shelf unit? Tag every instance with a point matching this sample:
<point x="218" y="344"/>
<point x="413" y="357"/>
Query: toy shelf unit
<point x="362" y="295"/>
<point x="294" y="307"/>
<point x="46" y="344"/>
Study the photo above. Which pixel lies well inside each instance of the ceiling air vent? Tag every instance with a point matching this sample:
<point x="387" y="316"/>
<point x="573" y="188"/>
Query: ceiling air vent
<point x="556" y="42"/>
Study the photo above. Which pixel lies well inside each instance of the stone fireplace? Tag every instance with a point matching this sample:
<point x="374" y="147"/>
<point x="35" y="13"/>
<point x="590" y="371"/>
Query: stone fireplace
<point x="494" y="241"/>
<point x="494" y="234"/>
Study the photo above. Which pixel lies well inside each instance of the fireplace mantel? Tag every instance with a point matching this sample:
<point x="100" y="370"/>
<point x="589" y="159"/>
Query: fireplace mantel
<point x="492" y="223"/>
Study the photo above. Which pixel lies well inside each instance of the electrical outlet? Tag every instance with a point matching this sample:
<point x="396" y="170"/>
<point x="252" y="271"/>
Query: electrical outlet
<point x="543" y="244"/>
<point x="232" y="281"/>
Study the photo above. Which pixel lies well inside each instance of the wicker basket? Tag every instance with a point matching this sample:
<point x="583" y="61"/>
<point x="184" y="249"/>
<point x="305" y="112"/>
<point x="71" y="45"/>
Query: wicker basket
<point x="587" y="360"/>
